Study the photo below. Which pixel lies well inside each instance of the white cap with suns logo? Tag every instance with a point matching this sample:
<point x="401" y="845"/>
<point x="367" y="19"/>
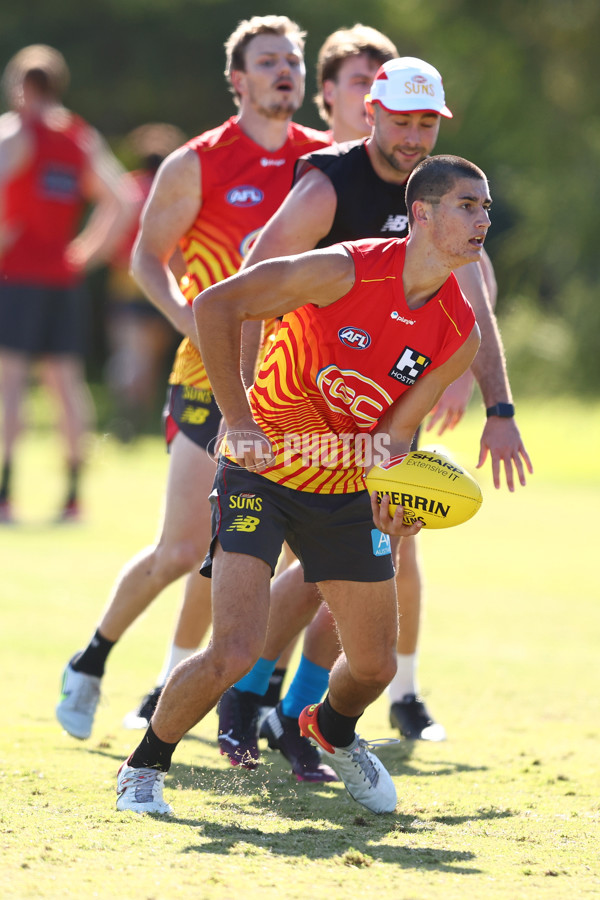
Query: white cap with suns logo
<point x="409" y="84"/>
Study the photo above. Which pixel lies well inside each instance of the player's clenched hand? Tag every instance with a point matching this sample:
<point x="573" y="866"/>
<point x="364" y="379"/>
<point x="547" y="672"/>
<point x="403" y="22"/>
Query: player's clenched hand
<point x="502" y="440"/>
<point x="391" y="524"/>
<point x="248" y="445"/>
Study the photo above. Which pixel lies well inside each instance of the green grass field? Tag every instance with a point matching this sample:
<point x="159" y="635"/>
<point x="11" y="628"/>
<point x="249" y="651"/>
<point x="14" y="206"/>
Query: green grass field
<point x="508" y="807"/>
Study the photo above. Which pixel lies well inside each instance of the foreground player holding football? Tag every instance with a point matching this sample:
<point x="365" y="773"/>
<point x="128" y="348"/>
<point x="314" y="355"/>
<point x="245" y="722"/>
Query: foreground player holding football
<point x="311" y="384"/>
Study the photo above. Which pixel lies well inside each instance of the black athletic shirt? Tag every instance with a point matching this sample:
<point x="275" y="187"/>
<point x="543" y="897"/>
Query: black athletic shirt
<point x="367" y="206"/>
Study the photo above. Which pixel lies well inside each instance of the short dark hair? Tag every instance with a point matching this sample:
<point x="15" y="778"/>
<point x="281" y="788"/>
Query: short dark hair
<point x="247" y="29"/>
<point x="343" y="44"/>
<point x="435" y="177"/>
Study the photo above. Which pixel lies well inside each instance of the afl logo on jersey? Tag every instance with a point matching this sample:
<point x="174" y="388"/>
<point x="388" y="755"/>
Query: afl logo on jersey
<point x="245" y="195"/>
<point x="354" y="337"/>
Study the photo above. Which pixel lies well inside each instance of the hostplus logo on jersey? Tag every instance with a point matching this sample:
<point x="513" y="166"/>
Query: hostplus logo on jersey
<point x="265" y="161"/>
<point x="245" y="195"/>
<point x="354" y="337"/>
<point x="409" y="366"/>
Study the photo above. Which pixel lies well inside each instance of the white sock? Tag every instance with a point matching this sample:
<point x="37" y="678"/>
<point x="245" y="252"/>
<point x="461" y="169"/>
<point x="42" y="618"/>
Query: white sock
<point x="405" y="679"/>
<point x="174" y="656"/>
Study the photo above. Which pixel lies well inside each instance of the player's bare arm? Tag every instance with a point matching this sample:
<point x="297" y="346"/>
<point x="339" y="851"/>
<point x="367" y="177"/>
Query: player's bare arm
<point x="489" y="277"/>
<point x="114" y="205"/>
<point x="501" y="438"/>
<point x="489" y="366"/>
<point x="15" y="151"/>
<point x="15" y="146"/>
<point x="266" y="290"/>
<point x="305" y="216"/>
<point x="450" y="409"/>
<point x="169" y="213"/>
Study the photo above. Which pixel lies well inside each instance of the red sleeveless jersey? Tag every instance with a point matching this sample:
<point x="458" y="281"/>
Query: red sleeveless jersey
<point x="333" y="372"/>
<point x="242" y="186"/>
<point x="43" y="203"/>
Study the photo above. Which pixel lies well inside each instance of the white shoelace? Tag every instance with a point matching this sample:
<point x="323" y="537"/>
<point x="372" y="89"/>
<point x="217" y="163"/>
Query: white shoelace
<point x="144" y="783"/>
<point x="363" y="760"/>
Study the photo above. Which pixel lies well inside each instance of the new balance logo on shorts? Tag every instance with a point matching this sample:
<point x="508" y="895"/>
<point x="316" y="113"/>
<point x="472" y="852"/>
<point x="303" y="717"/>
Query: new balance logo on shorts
<point x="244" y="523"/>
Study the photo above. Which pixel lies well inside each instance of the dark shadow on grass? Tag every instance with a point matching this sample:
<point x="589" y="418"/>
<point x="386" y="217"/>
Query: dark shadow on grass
<point x="397" y="758"/>
<point x="223" y="841"/>
<point x="482" y="816"/>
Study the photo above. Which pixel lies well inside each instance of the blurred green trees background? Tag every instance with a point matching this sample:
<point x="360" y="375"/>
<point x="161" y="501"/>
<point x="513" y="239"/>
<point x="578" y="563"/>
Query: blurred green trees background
<point x="522" y="78"/>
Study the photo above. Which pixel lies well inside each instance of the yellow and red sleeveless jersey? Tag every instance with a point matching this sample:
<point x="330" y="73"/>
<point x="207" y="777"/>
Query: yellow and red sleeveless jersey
<point x="242" y="186"/>
<point x="44" y="202"/>
<point x="333" y="372"/>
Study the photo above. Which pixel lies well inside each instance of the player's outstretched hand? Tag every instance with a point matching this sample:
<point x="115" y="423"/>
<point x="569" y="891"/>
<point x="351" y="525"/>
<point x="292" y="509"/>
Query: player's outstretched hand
<point x="451" y="406"/>
<point x="502" y="440"/>
<point x="391" y="524"/>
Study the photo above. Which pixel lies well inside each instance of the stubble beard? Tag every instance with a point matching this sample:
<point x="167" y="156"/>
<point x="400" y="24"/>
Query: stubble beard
<point x="278" y="111"/>
<point x="280" y="107"/>
<point x="399" y="166"/>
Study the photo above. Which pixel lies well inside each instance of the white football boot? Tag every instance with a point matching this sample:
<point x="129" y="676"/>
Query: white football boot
<point x="140" y="791"/>
<point x="79" y="698"/>
<point x="366" y="778"/>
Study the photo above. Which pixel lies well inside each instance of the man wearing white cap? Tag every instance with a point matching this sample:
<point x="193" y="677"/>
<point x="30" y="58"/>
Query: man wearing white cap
<point x="409" y="83"/>
<point x="345" y="192"/>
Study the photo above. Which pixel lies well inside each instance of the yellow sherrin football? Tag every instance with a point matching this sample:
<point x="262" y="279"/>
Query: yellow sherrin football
<point x="430" y="487"/>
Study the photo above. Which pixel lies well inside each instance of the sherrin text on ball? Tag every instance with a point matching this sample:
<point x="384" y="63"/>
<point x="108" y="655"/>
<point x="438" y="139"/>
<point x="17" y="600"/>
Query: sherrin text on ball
<point x="429" y="485"/>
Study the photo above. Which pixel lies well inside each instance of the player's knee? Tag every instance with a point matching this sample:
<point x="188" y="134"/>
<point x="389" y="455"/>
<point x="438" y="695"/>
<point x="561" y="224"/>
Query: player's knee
<point x="235" y="657"/>
<point x="177" y="559"/>
<point x="308" y="603"/>
<point x="376" y="672"/>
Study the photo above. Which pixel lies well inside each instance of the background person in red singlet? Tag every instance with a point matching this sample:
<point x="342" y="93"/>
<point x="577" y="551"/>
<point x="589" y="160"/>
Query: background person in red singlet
<point x="52" y="164"/>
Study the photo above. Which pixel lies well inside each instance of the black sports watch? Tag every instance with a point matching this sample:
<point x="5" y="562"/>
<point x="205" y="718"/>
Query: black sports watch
<point x="503" y="410"/>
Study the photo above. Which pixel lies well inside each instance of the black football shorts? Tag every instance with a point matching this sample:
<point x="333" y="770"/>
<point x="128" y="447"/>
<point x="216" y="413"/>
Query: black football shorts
<point x="192" y="411"/>
<point x="333" y="535"/>
<point x="43" y="321"/>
